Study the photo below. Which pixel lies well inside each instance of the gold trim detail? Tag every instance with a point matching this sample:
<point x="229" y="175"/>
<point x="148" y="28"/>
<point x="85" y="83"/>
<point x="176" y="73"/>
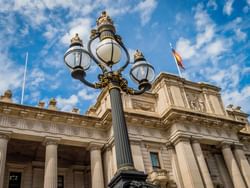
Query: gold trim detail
<point x="138" y="55"/>
<point x="104" y="19"/>
<point x="76" y="40"/>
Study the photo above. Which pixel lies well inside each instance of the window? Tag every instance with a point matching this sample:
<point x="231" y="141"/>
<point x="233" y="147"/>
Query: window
<point x="15" y="179"/>
<point x="60" y="182"/>
<point x="155" y="160"/>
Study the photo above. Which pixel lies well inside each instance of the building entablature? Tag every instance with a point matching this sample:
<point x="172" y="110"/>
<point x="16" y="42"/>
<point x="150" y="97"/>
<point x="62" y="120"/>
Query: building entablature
<point x="175" y="114"/>
<point x="37" y="124"/>
<point x="42" y="114"/>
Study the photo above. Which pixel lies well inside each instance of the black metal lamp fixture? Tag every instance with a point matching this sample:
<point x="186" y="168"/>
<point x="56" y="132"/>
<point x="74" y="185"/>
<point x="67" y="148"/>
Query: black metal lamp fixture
<point x="108" y="53"/>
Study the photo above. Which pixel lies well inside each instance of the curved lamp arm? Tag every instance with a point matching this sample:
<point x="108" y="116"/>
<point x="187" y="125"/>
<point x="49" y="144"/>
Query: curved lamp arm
<point x="118" y="39"/>
<point x="95" y="85"/>
<point x="143" y="87"/>
<point x="79" y="74"/>
<point x="104" y="69"/>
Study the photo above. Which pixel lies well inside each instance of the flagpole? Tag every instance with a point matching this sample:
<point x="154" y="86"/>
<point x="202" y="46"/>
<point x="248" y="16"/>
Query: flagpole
<point x="178" y="68"/>
<point x="24" y="76"/>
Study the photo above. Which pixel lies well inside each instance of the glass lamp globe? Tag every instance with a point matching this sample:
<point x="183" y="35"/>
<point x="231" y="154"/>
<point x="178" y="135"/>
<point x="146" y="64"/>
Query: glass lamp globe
<point x="77" y="57"/>
<point x="109" y="51"/>
<point x="141" y="70"/>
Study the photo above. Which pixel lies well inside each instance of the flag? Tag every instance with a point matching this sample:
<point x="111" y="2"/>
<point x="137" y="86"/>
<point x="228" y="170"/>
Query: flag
<point x="178" y="59"/>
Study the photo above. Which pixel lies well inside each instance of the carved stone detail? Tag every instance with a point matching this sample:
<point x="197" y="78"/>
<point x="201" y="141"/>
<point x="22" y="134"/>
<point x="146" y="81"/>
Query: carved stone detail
<point x="158" y="177"/>
<point x="143" y="105"/>
<point x="196" y="101"/>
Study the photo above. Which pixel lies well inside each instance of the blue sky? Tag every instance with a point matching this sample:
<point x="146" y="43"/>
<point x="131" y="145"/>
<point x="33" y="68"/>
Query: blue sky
<point x="211" y="36"/>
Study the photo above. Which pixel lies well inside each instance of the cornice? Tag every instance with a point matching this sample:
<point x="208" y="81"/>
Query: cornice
<point x="47" y="115"/>
<point x="171" y="77"/>
<point x="176" y="114"/>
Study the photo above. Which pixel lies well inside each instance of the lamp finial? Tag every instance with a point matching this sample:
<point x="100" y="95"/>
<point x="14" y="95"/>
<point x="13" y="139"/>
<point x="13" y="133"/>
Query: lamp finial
<point x="138" y="55"/>
<point x="76" y="40"/>
<point x="104" y="19"/>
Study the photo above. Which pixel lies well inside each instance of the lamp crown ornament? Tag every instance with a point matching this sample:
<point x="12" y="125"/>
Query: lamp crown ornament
<point x="76" y="40"/>
<point x="104" y="19"/>
<point x="138" y="55"/>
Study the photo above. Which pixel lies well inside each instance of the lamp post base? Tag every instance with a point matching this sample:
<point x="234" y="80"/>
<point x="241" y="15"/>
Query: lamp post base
<point x="130" y="179"/>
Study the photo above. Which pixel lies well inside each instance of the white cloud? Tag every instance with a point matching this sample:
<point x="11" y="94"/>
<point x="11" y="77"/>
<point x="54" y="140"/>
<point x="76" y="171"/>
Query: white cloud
<point x="212" y="4"/>
<point x="202" y="18"/>
<point x="50" y="32"/>
<point x="216" y="48"/>
<point x="228" y="7"/>
<point x="226" y="78"/>
<point x="146" y="8"/>
<point x="67" y="104"/>
<point x="82" y="26"/>
<point x="35" y="78"/>
<point x="185" y="48"/>
<point x="10" y="74"/>
<point x="208" y="45"/>
<point x="205" y="37"/>
<point x="238" y="97"/>
<point x="240" y="35"/>
<point x="88" y="94"/>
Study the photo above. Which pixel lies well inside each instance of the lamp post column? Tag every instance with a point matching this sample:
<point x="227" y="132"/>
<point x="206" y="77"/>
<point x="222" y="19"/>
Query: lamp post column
<point x="126" y="175"/>
<point x="122" y="145"/>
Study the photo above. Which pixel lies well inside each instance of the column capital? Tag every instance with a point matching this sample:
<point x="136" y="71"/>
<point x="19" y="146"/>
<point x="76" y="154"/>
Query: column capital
<point x="95" y="146"/>
<point x="180" y="138"/>
<point x="238" y="146"/>
<point x="194" y="141"/>
<point x="5" y="134"/>
<point x="169" y="145"/>
<point x="51" y="140"/>
<point x="225" y="145"/>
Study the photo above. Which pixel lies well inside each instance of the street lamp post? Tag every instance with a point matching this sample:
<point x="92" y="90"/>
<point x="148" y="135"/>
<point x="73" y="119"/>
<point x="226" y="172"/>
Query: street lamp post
<point x="108" y="53"/>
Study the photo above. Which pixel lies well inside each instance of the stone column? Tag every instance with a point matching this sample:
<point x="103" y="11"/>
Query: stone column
<point x="191" y="176"/>
<point x="50" y="172"/>
<point x="96" y="166"/>
<point x="224" y="175"/>
<point x="107" y="165"/>
<point x="202" y="164"/>
<point x="232" y="166"/>
<point x="3" y="151"/>
<point x="175" y="166"/>
<point x="137" y="156"/>
<point x="243" y="163"/>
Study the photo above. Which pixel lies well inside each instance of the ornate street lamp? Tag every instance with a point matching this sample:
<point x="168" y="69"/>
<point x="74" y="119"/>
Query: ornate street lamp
<point x="108" y="53"/>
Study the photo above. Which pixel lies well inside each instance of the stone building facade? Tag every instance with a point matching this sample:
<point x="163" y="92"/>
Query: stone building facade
<point x="180" y="133"/>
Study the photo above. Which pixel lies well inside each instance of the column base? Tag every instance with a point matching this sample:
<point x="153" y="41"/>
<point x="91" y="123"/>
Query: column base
<point x="130" y="179"/>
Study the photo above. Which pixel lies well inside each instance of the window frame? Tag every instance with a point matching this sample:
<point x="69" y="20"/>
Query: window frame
<point x="158" y="159"/>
